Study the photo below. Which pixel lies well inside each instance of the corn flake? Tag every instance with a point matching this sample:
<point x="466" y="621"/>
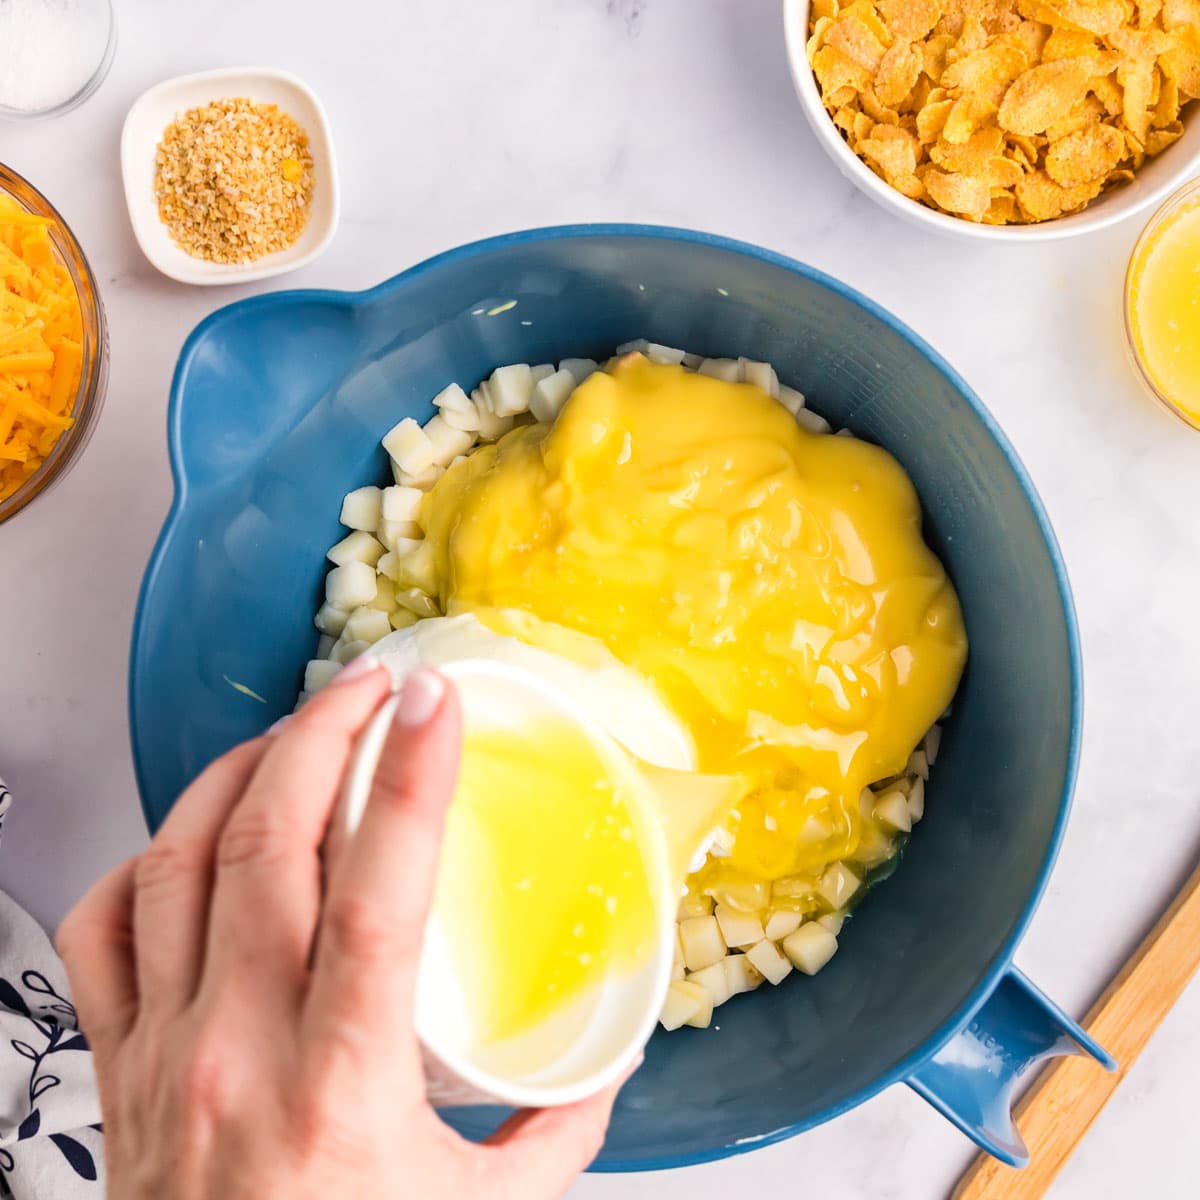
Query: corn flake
<point x="1084" y="156"/>
<point x="910" y="20"/>
<point x="898" y="73"/>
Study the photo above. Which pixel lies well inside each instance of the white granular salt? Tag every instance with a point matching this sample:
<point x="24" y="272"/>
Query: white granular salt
<point x="50" y="50"/>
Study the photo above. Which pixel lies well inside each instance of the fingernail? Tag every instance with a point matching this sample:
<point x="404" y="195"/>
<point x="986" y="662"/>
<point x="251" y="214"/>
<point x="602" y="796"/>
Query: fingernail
<point x="419" y="698"/>
<point x="356" y="668"/>
<point x="278" y="726"/>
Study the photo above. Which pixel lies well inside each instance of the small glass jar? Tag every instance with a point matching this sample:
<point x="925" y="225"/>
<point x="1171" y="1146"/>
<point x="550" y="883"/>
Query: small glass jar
<point x="104" y="12"/>
<point x="1186" y="197"/>
<point x="93" y="378"/>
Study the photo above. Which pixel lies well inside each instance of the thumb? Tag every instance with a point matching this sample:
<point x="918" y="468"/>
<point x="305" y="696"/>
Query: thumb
<point x="538" y="1153"/>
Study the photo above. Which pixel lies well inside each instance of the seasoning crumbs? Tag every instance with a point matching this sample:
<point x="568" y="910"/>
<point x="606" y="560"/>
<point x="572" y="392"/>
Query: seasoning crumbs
<point x="234" y="180"/>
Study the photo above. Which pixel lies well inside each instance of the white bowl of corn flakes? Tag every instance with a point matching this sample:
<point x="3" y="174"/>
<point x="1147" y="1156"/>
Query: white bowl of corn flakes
<point x="1029" y="119"/>
<point x="230" y="175"/>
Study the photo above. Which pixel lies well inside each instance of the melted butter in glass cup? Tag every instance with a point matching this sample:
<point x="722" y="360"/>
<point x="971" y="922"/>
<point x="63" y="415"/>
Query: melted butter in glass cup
<point x="1162" y="305"/>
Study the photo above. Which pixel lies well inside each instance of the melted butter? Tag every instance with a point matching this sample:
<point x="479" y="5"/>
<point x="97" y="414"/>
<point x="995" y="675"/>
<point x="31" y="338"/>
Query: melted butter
<point x="542" y="889"/>
<point x="1165" y="309"/>
<point x="772" y="584"/>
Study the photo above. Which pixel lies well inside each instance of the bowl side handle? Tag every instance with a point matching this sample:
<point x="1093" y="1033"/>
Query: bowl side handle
<point x="974" y="1078"/>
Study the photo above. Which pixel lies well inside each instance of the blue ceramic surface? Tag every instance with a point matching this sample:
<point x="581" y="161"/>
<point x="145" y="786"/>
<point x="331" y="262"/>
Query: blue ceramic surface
<point x="277" y="409"/>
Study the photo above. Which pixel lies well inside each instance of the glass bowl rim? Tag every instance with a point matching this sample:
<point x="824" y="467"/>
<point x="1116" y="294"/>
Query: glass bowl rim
<point x="89" y="398"/>
<point x="1187" y="192"/>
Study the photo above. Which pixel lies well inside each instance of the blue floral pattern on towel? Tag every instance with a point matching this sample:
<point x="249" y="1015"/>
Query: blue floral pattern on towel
<point x="51" y="1146"/>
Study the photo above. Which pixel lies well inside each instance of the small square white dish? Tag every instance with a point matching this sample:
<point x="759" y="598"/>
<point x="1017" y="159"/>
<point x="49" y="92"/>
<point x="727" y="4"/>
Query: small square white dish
<point x="149" y="117"/>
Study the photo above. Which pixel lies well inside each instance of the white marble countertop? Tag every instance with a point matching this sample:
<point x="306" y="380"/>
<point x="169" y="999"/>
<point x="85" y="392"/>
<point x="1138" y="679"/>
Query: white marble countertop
<point x="455" y="121"/>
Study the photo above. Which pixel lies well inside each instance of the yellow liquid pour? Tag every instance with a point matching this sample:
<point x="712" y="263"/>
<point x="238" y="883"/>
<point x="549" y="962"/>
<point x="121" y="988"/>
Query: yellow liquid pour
<point x="542" y="888"/>
<point x="772" y="584"/>
<point x="1164" y="304"/>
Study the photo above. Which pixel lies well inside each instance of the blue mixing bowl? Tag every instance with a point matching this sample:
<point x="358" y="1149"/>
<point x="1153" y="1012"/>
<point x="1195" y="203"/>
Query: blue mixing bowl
<point x="277" y="408"/>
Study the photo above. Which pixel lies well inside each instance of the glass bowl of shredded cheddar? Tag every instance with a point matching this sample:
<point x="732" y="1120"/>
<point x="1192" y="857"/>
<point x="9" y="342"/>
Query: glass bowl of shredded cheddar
<point x="53" y="345"/>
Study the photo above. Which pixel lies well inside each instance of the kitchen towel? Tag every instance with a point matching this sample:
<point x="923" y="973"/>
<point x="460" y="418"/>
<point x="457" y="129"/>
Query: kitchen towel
<point x="51" y="1147"/>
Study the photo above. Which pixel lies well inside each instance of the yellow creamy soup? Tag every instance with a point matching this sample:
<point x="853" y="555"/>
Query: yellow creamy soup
<point x="542" y="886"/>
<point x="771" y="583"/>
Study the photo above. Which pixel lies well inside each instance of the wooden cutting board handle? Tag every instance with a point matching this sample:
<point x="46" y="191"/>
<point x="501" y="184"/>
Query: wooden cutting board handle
<point x="1060" y="1105"/>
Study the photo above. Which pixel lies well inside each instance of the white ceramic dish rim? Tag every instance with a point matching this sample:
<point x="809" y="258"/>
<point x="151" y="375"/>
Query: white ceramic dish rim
<point x="1117" y="205"/>
<point x="143" y="215"/>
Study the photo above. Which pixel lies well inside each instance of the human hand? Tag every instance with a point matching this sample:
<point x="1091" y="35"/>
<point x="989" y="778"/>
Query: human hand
<point x="231" y="1062"/>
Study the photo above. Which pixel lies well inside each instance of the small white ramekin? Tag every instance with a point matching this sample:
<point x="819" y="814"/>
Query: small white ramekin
<point x="149" y="117"/>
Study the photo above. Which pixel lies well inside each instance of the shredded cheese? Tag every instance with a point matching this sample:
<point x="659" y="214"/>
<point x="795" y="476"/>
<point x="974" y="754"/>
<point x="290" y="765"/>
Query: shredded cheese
<point x="41" y="344"/>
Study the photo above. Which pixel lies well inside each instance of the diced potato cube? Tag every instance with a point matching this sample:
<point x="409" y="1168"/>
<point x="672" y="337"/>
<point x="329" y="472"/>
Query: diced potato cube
<point x="325" y="645"/>
<point x="385" y="594"/>
<point x="695" y="904"/>
<point x="769" y="962"/>
<point x="837" y="885"/>
<point x="401" y="503"/>
<point x="349" y="586"/>
<point x="510" y="389"/>
<point x="357" y="547"/>
<point x="741" y="975"/>
<point x="410" y="448"/>
<point x="550" y="394"/>
<point x="686" y="1004"/>
<point x="663" y="354"/>
<point x="330" y="619"/>
<point x="678" y="970"/>
<point x="637" y="346"/>
<point x="366" y="625"/>
<point x="932" y="744"/>
<point x="794" y="887"/>
<point x="452" y="399"/>
<point x="833" y="922"/>
<point x="388" y="568"/>
<point x="344" y="652"/>
<point x="417" y="602"/>
<point x="691" y="362"/>
<point x="918" y="765"/>
<point x="448" y="442"/>
<point x="728" y="369"/>
<point x="891" y="809"/>
<point x="811" y="421"/>
<point x="360" y="508"/>
<point x="702" y="942"/>
<point x="393" y="534"/>
<point x="581" y="368"/>
<point x="844" y="433"/>
<point x="738" y="928"/>
<point x="791" y="399"/>
<point x="401" y="618"/>
<point x="874" y="847"/>
<point x="916" y="800"/>
<point x="781" y="923"/>
<point x="421" y="480"/>
<point x="714" y="981"/>
<point x="467" y="422"/>
<point x="762" y="375"/>
<point x="542" y="371"/>
<point x="745" y="897"/>
<point x="318" y="673"/>
<point x="417" y="569"/>
<point x="491" y="427"/>
<point x="810" y="947"/>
